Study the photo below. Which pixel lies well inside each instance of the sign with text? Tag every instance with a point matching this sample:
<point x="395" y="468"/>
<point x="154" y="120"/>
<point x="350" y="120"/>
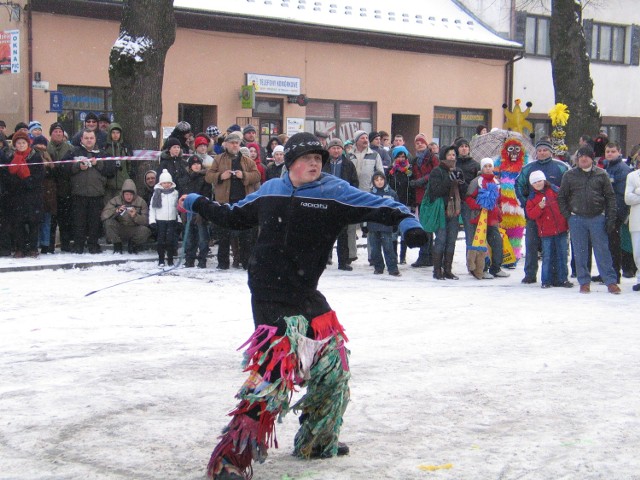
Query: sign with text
<point x="274" y="84"/>
<point x="9" y="51"/>
<point x="55" y="101"/>
<point x="294" y="125"/>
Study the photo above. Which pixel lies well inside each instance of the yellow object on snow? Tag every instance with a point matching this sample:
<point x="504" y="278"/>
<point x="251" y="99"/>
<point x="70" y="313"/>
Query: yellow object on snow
<point x="433" y="468"/>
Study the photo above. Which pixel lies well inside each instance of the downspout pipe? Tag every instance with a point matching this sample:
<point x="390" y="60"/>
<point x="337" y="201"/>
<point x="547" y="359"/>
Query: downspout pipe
<point x="29" y="61"/>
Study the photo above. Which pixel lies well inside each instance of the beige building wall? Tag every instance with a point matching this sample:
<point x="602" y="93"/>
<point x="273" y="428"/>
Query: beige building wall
<point x="208" y="68"/>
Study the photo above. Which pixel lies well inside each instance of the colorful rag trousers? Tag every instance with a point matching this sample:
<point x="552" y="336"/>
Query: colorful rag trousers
<point x="279" y="358"/>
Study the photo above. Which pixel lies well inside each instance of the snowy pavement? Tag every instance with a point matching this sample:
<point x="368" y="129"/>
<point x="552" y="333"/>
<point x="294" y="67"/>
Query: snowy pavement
<point x="450" y="379"/>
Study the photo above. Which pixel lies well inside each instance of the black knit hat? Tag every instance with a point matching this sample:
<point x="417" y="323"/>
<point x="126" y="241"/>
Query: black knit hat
<point x="55" y="125"/>
<point x="461" y="141"/>
<point x="585" y="151"/>
<point x="301" y="144"/>
<point x="172" y="142"/>
<point x="373" y="135"/>
<point x="91" y="116"/>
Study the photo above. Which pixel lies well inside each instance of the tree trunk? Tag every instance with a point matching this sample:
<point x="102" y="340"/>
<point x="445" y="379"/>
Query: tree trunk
<point x="570" y="67"/>
<point x="136" y="71"/>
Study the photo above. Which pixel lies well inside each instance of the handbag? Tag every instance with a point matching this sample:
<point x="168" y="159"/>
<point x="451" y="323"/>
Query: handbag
<point x="453" y="204"/>
<point x="432" y="216"/>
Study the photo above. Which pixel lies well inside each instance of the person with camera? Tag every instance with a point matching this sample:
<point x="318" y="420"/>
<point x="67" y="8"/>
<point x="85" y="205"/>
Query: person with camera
<point x="88" y="181"/>
<point x="126" y="218"/>
<point x="233" y="177"/>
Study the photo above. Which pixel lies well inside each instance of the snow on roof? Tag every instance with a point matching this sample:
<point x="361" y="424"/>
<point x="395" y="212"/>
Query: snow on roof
<point x="435" y="19"/>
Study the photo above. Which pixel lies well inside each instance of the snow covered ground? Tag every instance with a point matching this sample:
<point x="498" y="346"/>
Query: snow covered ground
<point x="493" y="379"/>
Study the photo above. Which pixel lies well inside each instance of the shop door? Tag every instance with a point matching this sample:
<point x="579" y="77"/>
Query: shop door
<point x="269" y="128"/>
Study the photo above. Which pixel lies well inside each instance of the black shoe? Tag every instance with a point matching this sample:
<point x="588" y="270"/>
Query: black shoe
<point x="329" y="262"/>
<point x="546" y="285"/>
<point x="378" y="272"/>
<point x="117" y="247"/>
<point x="566" y="284"/>
<point x="450" y="276"/>
<point x="351" y="260"/>
<point x="628" y="274"/>
<point x="93" y="249"/>
<point x="222" y="267"/>
<point x="636" y="287"/>
<point x="597" y="278"/>
<point x="189" y="263"/>
<point x="44" y="250"/>
<point x="202" y="264"/>
<point x="66" y="248"/>
<point x="402" y="261"/>
<point x="343" y="449"/>
<point x="347" y="268"/>
<point x="419" y="264"/>
<point x="170" y="261"/>
<point x="394" y="274"/>
<point x="528" y="280"/>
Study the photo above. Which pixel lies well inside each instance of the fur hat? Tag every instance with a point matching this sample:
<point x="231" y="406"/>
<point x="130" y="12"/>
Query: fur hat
<point x="358" y="134"/>
<point x="335" y="142"/>
<point x="165" y="176"/>
<point x="301" y="144"/>
<point x="248" y="128"/>
<point x="233" y="137"/>
<point x="486" y="161"/>
<point x="536" y="176"/>
<point x="585" y="151"/>
<point x="20" y="135"/>
<point x="544" y="143"/>
<point x="183" y="127"/>
<point x="20" y="125"/>
<point x="245" y="152"/>
<point x="201" y="140"/>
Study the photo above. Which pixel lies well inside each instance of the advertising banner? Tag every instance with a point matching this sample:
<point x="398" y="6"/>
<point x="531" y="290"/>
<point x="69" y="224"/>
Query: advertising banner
<point x="9" y="51"/>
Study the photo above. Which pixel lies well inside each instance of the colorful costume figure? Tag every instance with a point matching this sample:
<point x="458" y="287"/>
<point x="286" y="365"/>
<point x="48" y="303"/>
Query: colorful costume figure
<point x="508" y="166"/>
<point x="298" y="339"/>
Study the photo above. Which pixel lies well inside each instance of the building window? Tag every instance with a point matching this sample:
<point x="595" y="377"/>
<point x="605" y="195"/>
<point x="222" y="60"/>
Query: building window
<point x="269" y="113"/>
<point x="537" y="36"/>
<point x="338" y="119"/>
<point x="615" y="133"/>
<point x="79" y="101"/>
<point x="608" y="43"/>
<point x="451" y="123"/>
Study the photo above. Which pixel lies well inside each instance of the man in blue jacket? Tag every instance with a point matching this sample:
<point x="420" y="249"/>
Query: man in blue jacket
<point x="553" y="170"/>
<point x="298" y="338"/>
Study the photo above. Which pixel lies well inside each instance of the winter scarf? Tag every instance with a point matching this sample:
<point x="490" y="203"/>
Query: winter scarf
<point x="156" y="200"/>
<point x="401" y="165"/>
<point x="18" y="165"/>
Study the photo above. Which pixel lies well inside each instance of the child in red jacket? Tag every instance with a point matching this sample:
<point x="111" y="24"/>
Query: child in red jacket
<point x="542" y="206"/>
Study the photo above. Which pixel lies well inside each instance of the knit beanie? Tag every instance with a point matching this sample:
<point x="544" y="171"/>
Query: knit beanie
<point x="444" y="151"/>
<point x="421" y="137"/>
<point x="234" y="128"/>
<point x="398" y="150"/>
<point x="183" y="127"/>
<point x="201" y="140"/>
<point x="91" y="116"/>
<point x="373" y="135"/>
<point x="585" y="151"/>
<point x="194" y="159"/>
<point x="39" y="140"/>
<point x="33" y="125"/>
<point x="55" y="125"/>
<point x="536" y="176"/>
<point x="172" y="142"/>
<point x="213" y="131"/>
<point x="486" y="161"/>
<point x="20" y="125"/>
<point x="165" y="176"/>
<point x="357" y="135"/>
<point x="233" y="137"/>
<point x="461" y="141"/>
<point x="544" y="143"/>
<point x="301" y="144"/>
<point x="279" y="148"/>
<point x="248" y="128"/>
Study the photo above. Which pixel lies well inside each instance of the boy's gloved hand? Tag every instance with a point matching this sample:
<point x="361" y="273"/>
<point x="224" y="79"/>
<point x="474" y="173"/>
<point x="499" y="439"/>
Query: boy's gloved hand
<point x="415" y="237"/>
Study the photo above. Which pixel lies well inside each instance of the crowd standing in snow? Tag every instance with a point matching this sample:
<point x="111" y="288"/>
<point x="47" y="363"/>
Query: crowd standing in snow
<point x="58" y="192"/>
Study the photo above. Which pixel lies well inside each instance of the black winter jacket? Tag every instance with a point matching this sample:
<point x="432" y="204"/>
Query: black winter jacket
<point x="587" y="194"/>
<point x="177" y="168"/>
<point x="348" y="171"/>
<point x="470" y="169"/>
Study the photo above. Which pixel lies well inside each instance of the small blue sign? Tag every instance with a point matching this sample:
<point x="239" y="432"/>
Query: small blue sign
<point x="56" y="100"/>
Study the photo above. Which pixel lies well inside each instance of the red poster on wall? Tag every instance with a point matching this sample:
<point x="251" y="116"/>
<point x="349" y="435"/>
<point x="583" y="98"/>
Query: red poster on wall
<point x="9" y="51"/>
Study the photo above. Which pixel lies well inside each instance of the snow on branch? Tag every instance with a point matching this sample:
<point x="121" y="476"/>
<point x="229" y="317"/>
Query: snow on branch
<point x="133" y="47"/>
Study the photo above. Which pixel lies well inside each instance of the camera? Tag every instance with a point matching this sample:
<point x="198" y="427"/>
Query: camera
<point x="87" y="163"/>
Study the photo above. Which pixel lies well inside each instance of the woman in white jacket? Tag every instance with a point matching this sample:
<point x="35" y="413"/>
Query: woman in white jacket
<point x="164" y="217"/>
<point x="632" y="198"/>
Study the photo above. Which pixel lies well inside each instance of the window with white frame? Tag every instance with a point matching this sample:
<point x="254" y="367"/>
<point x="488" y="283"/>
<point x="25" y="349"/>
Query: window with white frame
<point x="536" y="40"/>
<point x="608" y="43"/>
